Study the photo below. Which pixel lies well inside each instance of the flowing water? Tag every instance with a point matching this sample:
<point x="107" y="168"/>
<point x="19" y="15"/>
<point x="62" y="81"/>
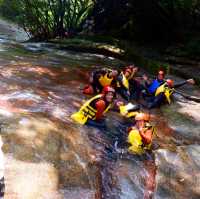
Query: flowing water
<point x="50" y="157"/>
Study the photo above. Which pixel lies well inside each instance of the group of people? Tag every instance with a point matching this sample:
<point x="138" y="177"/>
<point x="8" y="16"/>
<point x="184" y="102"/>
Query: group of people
<point x="107" y="85"/>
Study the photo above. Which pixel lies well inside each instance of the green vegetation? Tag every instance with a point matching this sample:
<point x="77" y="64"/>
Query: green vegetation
<point x="151" y="20"/>
<point x="44" y="19"/>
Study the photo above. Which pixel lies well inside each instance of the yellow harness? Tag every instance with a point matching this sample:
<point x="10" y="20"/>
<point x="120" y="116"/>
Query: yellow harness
<point x="166" y="90"/>
<point x="135" y="140"/>
<point x="104" y="80"/>
<point x="125" y="81"/>
<point x="87" y="111"/>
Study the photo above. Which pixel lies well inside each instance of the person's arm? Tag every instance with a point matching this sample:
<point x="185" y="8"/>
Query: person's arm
<point x="120" y="80"/>
<point x="100" y="107"/>
<point x="147" y="136"/>
<point x="146" y="80"/>
<point x="179" y="84"/>
<point x="190" y="81"/>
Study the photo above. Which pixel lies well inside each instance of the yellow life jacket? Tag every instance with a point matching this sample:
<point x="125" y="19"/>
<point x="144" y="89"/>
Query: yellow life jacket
<point x="87" y="111"/>
<point x="135" y="140"/>
<point x="104" y="80"/>
<point x="166" y="90"/>
<point x="125" y="81"/>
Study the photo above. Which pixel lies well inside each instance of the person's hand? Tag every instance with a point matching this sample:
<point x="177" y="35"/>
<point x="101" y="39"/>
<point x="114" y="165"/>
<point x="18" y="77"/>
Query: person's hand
<point x="191" y="81"/>
<point x="91" y="79"/>
<point x="145" y="77"/>
<point x="119" y="103"/>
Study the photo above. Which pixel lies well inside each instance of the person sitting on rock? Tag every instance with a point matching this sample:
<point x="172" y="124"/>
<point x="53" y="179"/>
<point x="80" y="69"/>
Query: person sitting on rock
<point x="164" y="92"/>
<point x="140" y="135"/>
<point x="99" y="79"/>
<point x="135" y="85"/>
<point x="92" y="111"/>
<point x="123" y="83"/>
<point x="151" y="86"/>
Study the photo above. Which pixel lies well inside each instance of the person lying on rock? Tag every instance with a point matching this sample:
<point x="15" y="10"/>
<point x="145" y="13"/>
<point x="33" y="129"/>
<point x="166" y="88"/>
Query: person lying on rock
<point x="164" y="92"/>
<point x="93" y="110"/>
<point x="99" y="79"/>
<point x="140" y="135"/>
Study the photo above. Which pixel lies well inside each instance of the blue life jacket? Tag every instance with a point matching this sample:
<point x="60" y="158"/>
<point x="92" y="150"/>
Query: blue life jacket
<point x="154" y="85"/>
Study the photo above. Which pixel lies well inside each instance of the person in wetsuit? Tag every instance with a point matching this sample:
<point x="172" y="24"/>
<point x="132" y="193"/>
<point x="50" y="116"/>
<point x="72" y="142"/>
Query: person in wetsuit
<point x="151" y="86"/>
<point x="164" y="92"/>
<point x="140" y="135"/>
<point x="122" y="87"/>
<point x="99" y="79"/>
<point x="92" y="111"/>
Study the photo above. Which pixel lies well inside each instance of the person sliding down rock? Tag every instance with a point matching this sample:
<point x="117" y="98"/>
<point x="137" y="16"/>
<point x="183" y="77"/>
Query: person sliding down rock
<point x="140" y="135"/>
<point x="93" y="110"/>
<point x="99" y="79"/>
<point x="164" y="92"/>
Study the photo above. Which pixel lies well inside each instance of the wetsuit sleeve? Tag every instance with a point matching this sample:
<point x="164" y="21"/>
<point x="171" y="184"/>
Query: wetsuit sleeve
<point x="177" y="85"/>
<point x="100" y="107"/>
<point x="147" y="84"/>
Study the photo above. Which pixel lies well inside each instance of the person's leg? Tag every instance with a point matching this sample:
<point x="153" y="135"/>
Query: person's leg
<point x="135" y="90"/>
<point x="156" y="101"/>
<point x="145" y="93"/>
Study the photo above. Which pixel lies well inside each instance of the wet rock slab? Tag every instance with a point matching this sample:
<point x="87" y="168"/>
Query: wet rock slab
<point x="183" y="118"/>
<point x="178" y="173"/>
<point x="135" y="178"/>
<point x="47" y="160"/>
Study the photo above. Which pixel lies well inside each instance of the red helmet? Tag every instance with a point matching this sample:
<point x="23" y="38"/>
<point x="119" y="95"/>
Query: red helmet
<point x="108" y="89"/>
<point x="170" y="82"/>
<point x="161" y="72"/>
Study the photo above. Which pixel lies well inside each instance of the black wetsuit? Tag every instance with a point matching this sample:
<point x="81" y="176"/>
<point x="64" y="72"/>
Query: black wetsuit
<point x="122" y="90"/>
<point x="135" y="89"/>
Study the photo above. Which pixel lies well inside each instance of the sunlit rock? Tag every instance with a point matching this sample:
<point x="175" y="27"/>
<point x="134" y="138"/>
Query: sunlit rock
<point x="178" y="173"/>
